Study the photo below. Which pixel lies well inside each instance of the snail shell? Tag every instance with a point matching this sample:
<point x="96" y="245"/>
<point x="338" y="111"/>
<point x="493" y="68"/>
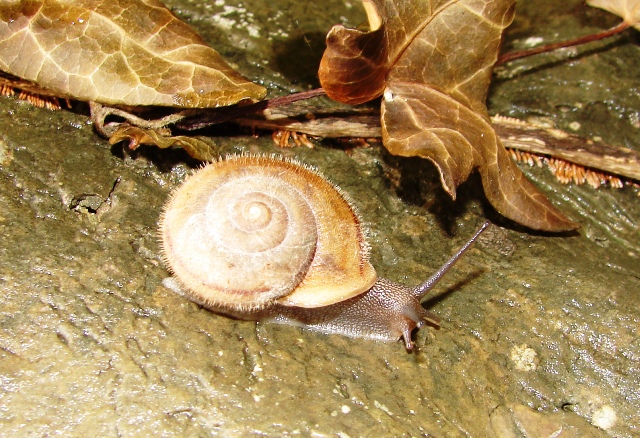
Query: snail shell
<point x="251" y="230"/>
<point x="269" y="239"/>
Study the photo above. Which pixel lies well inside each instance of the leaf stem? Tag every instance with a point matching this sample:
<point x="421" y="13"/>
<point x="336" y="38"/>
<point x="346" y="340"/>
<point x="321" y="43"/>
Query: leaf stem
<point x="553" y="46"/>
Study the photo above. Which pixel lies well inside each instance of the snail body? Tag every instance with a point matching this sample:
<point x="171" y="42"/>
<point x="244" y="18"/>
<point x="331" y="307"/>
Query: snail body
<point x="268" y="239"/>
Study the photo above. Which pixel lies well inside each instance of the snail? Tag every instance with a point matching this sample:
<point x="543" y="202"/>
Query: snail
<point x="270" y="239"/>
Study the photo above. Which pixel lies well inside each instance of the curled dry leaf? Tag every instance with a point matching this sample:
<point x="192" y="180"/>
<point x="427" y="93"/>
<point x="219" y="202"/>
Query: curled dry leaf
<point x="200" y="148"/>
<point x="116" y="52"/>
<point x="629" y="10"/>
<point x="437" y="66"/>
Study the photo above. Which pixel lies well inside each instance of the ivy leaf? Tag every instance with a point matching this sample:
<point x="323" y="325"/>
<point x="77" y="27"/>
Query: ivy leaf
<point x="118" y="52"/>
<point x="432" y="61"/>
<point x="200" y="148"/>
<point x="629" y="10"/>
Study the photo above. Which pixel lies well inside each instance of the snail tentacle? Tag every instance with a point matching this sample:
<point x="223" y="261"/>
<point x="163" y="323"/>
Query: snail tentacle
<point x="423" y="289"/>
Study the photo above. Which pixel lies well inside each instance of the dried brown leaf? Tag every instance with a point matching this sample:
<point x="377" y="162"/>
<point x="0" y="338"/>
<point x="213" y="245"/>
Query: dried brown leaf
<point x="439" y="60"/>
<point x="200" y="148"/>
<point x="353" y="54"/>
<point x="118" y="52"/>
<point x="629" y="10"/>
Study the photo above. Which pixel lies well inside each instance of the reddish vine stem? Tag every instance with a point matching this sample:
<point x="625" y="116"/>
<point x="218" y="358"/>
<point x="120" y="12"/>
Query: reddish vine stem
<point x="553" y="46"/>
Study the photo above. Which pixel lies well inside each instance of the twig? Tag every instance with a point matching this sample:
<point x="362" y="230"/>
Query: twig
<point x="513" y="133"/>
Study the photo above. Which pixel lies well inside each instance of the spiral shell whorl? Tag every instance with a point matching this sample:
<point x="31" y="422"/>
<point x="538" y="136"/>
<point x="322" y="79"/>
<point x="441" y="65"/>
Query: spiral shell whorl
<point x="248" y="230"/>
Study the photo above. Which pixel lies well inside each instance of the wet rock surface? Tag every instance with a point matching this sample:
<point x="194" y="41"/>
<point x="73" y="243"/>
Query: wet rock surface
<point x="539" y="334"/>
